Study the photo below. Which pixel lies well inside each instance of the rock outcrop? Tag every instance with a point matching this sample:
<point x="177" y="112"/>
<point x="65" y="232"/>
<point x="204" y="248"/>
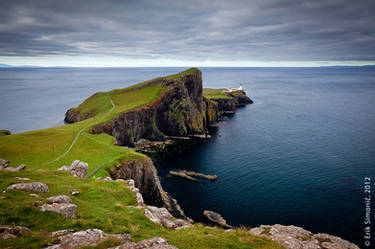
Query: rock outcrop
<point x="67" y="210"/>
<point x="32" y="187"/>
<point x="162" y="217"/>
<point x="154" y="243"/>
<point x="77" y="169"/>
<point x="4" y="165"/>
<point x="293" y="237"/>
<point x="61" y="204"/>
<point x="60" y="199"/>
<point x="90" y="237"/>
<point x="145" y="177"/>
<point x="7" y="232"/>
<point x="216" y="219"/>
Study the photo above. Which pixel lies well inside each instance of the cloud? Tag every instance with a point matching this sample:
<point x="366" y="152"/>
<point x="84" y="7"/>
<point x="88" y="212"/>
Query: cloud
<point x="264" y="30"/>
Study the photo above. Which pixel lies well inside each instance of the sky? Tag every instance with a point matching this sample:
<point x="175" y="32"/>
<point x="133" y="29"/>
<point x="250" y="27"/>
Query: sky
<point x="187" y="33"/>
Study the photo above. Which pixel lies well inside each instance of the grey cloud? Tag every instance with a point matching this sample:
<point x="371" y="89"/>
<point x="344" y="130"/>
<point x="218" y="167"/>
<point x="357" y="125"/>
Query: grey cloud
<point x="264" y="30"/>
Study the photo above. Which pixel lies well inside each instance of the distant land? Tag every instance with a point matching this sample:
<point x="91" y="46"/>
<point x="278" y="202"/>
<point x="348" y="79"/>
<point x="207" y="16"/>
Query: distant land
<point x="30" y="66"/>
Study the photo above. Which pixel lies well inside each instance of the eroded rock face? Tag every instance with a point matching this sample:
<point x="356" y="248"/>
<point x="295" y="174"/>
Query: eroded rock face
<point x="32" y="186"/>
<point x="67" y="210"/>
<point x="216" y="218"/>
<point x="77" y="168"/>
<point x="293" y="237"/>
<point x="162" y="217"/>
<point x="145" y="177"/>
<point x="154" y="243"/>
<point x="7" y="232"/>
<point x="90" y="237"/>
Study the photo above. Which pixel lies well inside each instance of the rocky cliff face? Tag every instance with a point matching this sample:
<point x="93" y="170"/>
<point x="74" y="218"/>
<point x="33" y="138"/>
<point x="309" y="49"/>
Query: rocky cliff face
<point x="145" y="177"/>
<point x="181" y="111"/>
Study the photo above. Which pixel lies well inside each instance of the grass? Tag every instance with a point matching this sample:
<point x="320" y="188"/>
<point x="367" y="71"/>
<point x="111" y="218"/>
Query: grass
<point x="102" y="205"/>
<point x="215" y="93"/>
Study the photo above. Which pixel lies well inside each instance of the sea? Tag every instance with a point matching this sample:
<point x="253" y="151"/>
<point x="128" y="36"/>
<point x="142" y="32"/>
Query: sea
<point x="298" y="156"/>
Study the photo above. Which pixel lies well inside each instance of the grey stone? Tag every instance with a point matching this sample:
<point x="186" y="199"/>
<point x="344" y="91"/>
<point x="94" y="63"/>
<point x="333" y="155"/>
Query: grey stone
<point x="67" y="210"/>
<point x="7" y="232"/>
<point x="33" y="186"/>
<point x="162" y="217"/>
<point x="77" y="168"/>
<point x="293" y="237"/>
<point x="154" y="243"/>
<point x="60" y="199"/>
<point x="90" y="237"/>
<point x="216" y="218"/>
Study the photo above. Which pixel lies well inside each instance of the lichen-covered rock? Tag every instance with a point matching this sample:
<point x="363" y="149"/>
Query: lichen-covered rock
<point x="60" y="199"/>
<point x="154" y="243"/>
<point x="90" y="237"/>
<point x="293" y="237"/>
<point x="77" y="168"/>
<point x="7" y="232"/>
<point x="162" y="217"/>
<point x="216" y="218"/>
<point x="32" y="186"/>
<point x="4" y="165"/>
<point x="67" y="210"/>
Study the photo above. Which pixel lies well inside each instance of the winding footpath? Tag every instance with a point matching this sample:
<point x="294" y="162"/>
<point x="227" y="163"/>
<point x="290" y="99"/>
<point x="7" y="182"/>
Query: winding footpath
<point x="76" y="138"/>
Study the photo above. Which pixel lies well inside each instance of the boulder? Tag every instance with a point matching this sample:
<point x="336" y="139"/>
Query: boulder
<point x="67" y="210"/>
<point x="162" y="217"/>
<point x="77" y="168"/>
<point x="154" y="243"/>
<point x="7" y="232"/>
<point x="4" y="165"/>
<point x="22" y="178"/>
<point x="74" y="192"/>
<point x="90" y="237"/>
<point x="32" y="186"/>
<point x="292" y="237"/>
<point x="216" y="218"/>
<point x="60" y="199"/>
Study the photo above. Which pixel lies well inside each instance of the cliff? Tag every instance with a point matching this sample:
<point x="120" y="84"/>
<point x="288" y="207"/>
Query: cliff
<point x="180" y="111"/>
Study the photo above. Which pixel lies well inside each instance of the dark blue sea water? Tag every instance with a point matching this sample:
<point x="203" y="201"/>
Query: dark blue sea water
<point x="297" y="156"/>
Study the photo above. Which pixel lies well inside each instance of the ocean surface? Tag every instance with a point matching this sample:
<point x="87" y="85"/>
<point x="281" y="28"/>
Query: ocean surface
<point x="298" y="155"/>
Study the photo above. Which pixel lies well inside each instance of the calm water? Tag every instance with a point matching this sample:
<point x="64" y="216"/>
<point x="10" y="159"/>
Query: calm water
<point x="298" y="155"/>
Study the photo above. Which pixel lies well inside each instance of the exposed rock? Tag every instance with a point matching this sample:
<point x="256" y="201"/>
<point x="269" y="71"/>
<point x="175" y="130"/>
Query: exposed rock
<point x="187" y="174"/>
<point x="62" y="232"/>
<point x="154" y="243"/>
<point x="35" y="195"/>
<point x="216" y="218"/>
<point x="65" y="209"/>
<point x="33" y="187"/>
<point x="74" y="192"/>
<point x="90" y="237"/>
<point x="293" y="237"/>
<point x="4" y="165"/>
<point x="162" y="217"/>
<point x="104" y="179"/>
<point x="22" y="178"/>
<point x="77" y="168"/>
<point x="145" y="177"/>
<point x="7" y="232"/>
<point x="60" y="199"/>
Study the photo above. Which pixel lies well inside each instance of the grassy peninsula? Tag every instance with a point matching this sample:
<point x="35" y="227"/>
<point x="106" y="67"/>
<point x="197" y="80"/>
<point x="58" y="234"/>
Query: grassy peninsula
<point x="105" y="205"/>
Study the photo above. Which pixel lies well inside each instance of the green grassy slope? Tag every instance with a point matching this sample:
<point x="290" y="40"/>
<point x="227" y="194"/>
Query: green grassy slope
<point x="102" y="205"/>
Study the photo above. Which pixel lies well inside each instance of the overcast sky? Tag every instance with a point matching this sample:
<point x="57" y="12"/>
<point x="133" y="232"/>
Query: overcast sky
<point x="184" y="33"/>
